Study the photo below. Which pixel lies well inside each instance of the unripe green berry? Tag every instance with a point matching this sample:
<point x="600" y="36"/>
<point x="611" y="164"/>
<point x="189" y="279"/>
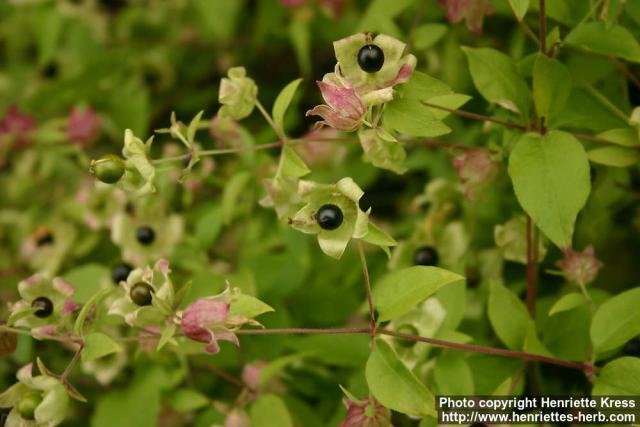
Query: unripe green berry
<point x="409" y="330"/>
<point x="108" y="169"/>
<point x="28" y="404"/>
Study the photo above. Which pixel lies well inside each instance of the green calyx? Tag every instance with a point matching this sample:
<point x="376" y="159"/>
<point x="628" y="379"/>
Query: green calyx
<point x="27" y="405"/>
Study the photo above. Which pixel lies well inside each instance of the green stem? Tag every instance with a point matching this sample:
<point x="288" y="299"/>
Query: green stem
<point x="367" y="285"/>
<point x="269" y="120"/>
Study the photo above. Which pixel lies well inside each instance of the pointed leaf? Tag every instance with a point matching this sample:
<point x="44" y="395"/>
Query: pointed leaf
<point x="400" y="291"/>
<point x="551" y="180"/>
<point x="282" y="103"/>
<point x="97" y="345"/>
<point x="394" y="386"/>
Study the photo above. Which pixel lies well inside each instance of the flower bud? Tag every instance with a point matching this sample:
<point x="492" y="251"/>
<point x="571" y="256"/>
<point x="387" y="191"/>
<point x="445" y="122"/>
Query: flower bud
<point x="108" y="169"/>
<point x="476" y="169"/>
<point x="580" y="267"/>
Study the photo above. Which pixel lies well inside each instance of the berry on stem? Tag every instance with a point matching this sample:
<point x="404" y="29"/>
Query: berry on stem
<point x="409" y="330"/>
<point x="425" y="255"/>
<point x="141" y="293"/>
<point x="145" y="235"/>
<point x="370" y="58"/>
<point x="329" y="217"/>
<point x="28" y="404"/>
<point x="43" y="306"/>
<point x="108" y="169"/>
<point x="120" y="272"/>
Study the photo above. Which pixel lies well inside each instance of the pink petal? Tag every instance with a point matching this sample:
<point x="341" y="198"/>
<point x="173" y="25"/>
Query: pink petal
<point x="403" y="75"/>
<point x="69" y="307"/>
<point x="63" y="286"/>
<point x="48" y="330"/>
<point x="343" y="100"/>
<point x="333" y="119"/>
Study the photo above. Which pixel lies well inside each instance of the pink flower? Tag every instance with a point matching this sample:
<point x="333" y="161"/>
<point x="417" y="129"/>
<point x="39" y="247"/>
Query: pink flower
<point x="344" y="109"/>
<point x="251" y="374"/>
<point x="17" y="127"/>
<point x="366" y="413"/>
<point x="237" y="418"/>
<point x="476" y="168"/>
<point x="205" y="320"/>
<point x="320" y="150"/>
<point x="335" y="7"/>
<point x="83" y="126"/>
<point x="225" y="131"/>
<point x="472" y="11"/>
<point x="580" y="267"/>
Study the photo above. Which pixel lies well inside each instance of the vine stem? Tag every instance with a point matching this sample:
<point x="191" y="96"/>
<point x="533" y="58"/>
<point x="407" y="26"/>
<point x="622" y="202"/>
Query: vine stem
<point x="585" y="366"/>
<point x="543" y="27"/>
<point x="433" y="341"/>
<point x="269" y="120"/>
<point x="72" y="363"/>
<point x="367" y="284"/>
<point x="532" y="259"/>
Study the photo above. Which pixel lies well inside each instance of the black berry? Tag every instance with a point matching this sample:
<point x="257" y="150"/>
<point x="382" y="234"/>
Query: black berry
<point x="43" y="306"/>
<point x="50" y="70"/>
<point x="141" y="293"/>
<point x="120" y="272"/>
<point x="43" y="236"/>
<point x="329" y="217"/>
<point x="425" y="255"/>
<point x="370" y="58"/>
<point x="364" y="203"/>
<point x="632" y="347"/>
<point x="145" y="235"/>
<point x="409" y="330"/>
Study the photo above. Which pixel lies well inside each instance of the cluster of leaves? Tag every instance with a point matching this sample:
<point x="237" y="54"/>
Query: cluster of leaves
<point x="141" y="275"/>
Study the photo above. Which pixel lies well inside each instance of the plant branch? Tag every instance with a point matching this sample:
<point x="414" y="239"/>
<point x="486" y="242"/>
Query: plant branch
<point x="543" y="27"/>
<point x="531" y="267"/>
<point x="367" y="284"/>
<point x="72" y="363"/>
<point x="434" y="341"/>
<point x="269" y="120"/>
<point x="626" y="71"/>
<point x="476" y="116"/>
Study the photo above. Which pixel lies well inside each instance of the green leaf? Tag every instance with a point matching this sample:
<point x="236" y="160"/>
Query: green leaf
<point x="87" y="280"/>
<point x="427" y="35"/>
<point x="411" y="117"/>
<point x="234" y="190"/>
<point x="519" y="8"/>
<point x="508" y="316"/>
<point x="300" y="37"/>
<point x="249" y="306"/>
<point x="596" y="37"/>
<point x="496" y="77"/>
<point x="422" y="87"/>
<point x="97" y="345"/>
<point x="627" y="137"/>
<point x="394" y="386"/>
<point x="270" y="411"/>
<point x="551" y="180"/>
<point x="282" y="103"/>
<point x="398" y="292"/>
<point x="452" y="101"/>
<point x="208" y="225"/>
<point x="84" y="311"/>
<point x="620" y="377"/>
<point x="619" y="157"/>
<point x="193" y="127"/>
<point x="377" y="236"/>
<point x="453" y="375"/>
<point x="187" y="400"/>
<point x="568" y="302"/>
<point x="165" y="337"/>
<point x="291" y="164"/>
<point x="616" y="321"/>
<point x="551" y="86"/>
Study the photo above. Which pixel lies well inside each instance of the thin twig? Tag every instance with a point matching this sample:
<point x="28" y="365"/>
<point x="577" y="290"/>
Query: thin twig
<point x="531" y="269"/>
<point x="543" y="27"/>
<point x="367" y="284"/>
<point x="626" y="71"/>
<point x="476" y="116"/>
<point x="72" y="363"/>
